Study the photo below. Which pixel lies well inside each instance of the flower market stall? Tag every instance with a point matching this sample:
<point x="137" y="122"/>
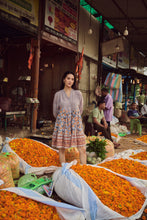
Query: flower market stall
<point x="115" y="187"/>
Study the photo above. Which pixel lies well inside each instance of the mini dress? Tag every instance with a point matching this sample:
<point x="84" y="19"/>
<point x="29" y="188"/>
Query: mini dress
<point x="68" y="130"/>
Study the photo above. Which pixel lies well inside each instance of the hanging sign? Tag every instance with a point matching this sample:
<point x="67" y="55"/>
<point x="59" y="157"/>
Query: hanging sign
<point x="23" y="10"/>
<point x="123" y="57"/>
<point x="141" y="62"/>
<point x="109" y="52"/>
<point x="133" y="58"/>
<point x="61" y="18"/>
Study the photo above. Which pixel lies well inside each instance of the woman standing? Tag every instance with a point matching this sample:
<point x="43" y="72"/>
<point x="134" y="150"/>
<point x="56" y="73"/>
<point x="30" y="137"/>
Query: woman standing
<point x="67" y="109"/>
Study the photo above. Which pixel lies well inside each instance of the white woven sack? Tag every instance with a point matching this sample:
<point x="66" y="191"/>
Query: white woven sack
<point x="73" y="189"/>
<point x="25" y="168"/>
<point x="126" y="155"/>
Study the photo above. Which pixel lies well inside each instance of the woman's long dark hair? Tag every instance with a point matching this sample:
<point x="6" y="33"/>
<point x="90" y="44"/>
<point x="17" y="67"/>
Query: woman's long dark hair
<point x="64" y="76"/>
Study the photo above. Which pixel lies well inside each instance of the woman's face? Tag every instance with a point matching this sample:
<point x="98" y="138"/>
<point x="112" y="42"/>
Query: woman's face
<point x="69" y="81"/>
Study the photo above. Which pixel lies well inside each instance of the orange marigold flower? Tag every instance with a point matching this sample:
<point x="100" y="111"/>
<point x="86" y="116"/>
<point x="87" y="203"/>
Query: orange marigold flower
<point x="127" y="168"/>
<point x="13" y="206"/>
<point x="113" y="191"/>
<point x="140" y="156"/>
<point x="143" y="217"/>
<point x="143" y="138"/>
<point x="35" y="153"/>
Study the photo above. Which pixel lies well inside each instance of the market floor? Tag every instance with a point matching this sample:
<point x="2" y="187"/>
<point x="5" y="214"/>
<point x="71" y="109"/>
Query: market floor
<point x="126" y="142"/>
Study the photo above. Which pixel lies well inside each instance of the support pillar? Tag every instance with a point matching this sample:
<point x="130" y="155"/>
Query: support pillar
<point x="35" y="81"/>
<point x="134" y="95"/>
<point x="35" y="69"/>
<point x="100" y="56"/>
<point x="126" y="95"/>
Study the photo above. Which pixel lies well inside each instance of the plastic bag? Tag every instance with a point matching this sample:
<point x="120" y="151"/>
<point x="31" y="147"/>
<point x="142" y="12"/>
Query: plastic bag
<point x="114" y="120"/>
<point x="14" y="163"/>
<point x="6" y="175"/>
<point x="73" y="189"/>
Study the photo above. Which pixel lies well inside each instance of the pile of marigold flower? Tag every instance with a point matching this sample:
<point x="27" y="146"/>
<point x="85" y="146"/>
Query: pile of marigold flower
<point x="13" y="206"/>
<point x="140" y="156"/>
<point x="115" y="192"/>
<point x="143" y="138"/>
<point x="127" y="168"/>
<point x="35" y="153"/>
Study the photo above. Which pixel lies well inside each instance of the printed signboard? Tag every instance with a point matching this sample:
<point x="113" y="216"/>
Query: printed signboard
<point x="61" y="18"/>
<point x="22" y="9"/>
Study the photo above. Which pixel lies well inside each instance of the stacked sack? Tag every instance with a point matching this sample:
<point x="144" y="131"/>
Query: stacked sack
<point x="9" y="169"/>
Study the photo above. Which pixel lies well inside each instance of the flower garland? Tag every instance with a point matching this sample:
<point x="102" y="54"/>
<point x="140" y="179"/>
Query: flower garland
<point x="13" y="206"/>
<point x="127" y="168"/>
<point x="115" y="192"/>
<point x="34" y="153"/>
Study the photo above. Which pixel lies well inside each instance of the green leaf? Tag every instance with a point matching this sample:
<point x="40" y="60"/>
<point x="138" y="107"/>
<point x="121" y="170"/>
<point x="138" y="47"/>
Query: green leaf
<point x="97" y="146"/>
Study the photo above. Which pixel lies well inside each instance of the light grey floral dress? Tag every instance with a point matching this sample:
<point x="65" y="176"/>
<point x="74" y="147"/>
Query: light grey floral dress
<point x="68" y="131"/>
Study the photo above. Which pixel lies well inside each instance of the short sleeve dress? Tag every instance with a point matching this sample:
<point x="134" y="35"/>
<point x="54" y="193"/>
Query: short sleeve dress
<point x="68" y="130"/>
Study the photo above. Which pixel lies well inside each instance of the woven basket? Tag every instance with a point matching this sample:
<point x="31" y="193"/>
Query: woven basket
<point x="71" y="154"/>
<point x="109" y="148"/>
<point x="13" y="160"/>
<point x="6" y="175"/>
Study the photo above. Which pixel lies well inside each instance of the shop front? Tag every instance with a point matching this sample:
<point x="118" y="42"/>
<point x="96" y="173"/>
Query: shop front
<point x="19" y="25"/>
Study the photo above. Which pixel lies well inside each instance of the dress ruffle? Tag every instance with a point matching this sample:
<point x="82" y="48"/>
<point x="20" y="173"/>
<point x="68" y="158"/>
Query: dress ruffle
<point x="68" y="131"/>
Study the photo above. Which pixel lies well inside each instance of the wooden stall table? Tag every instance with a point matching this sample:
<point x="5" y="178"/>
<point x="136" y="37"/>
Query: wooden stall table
<point x="11" y="114"/>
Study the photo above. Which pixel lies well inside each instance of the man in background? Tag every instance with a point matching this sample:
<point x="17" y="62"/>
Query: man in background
<point x="141" y="100"/>
<point x="98" y="119"/>
<point x="134" y="114"/>
<point x="144" y="109"/>
<point x="108" y="111"/>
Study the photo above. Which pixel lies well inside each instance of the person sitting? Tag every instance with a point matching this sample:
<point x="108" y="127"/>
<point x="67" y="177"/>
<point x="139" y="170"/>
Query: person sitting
<point x="134" y="114"/>
<point x="144" y="109"/>
<point x="141" y="100"/>
<point x="97" y="118"/>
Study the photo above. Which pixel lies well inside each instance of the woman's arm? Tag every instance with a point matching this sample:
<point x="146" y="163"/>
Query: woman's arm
<point x="81" y="103"/>
<point x="55" y="104"/>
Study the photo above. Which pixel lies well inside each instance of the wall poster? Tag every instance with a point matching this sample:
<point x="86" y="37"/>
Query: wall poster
<point x="61" y="18"/>
<point x="27" y="9"/>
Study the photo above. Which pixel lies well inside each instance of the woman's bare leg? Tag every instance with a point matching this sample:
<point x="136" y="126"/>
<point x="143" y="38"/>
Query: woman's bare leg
<point x="62" y="155"/>
<point x="83" y="157"/>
